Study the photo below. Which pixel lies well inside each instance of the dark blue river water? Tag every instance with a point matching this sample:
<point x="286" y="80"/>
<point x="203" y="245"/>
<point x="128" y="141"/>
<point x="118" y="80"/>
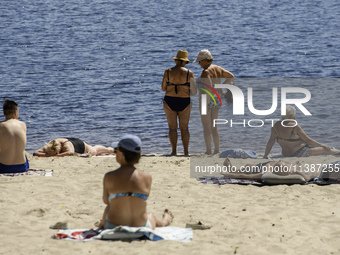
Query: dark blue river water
<point x="93" y="69"/>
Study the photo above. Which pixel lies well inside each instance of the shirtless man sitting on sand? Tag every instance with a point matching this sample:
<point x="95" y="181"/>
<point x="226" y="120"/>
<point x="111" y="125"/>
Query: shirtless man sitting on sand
<point x="12" y="140"/>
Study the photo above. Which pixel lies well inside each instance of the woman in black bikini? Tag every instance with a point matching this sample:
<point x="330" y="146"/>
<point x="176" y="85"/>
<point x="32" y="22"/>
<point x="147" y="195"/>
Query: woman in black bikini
<point x="293" y="140"/>
<point x="61" y="147"/>
<point x="176" y="83"/>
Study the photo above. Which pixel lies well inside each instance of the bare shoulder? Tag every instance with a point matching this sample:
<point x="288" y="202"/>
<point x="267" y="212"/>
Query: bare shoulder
<point x="216" y="67"/>
<point x="277" y="125"/>
<point x="3" y="124"/>
<point x="145" y="176"/>
<point x="109" y="177"/>
<point x="205" y="73"/>
<point x="61" y="140"/>
<point x="298" y="128"/>
<point x="23" y="124"/>
<point x="143" y="173"/>
<point x="111" y="173"/>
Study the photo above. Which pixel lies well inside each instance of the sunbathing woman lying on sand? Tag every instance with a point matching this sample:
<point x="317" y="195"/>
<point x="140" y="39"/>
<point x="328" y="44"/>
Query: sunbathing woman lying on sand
<point x="126" y="190"/>
<point x="255" y="172"/>
<point x="61" y="147"/>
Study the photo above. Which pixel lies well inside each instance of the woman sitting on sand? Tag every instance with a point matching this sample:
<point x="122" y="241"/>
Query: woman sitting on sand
<point x="61" y="147"/>
<point x="126" y="190"/>
<point x="293" y="140"/>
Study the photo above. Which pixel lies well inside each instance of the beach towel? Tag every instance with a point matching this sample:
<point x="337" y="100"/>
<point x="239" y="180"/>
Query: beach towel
<point x="238" y="153"/>
<point x="105" y="156"/>
<point x="220" y="180"/>
<point x="274" y="179"/>
<point x="41" y="172"/>
<point x="330" y="174"/>
<point x="267" y="179"/>
<point x="124" y="233"/>
<point x="326" y="177"/>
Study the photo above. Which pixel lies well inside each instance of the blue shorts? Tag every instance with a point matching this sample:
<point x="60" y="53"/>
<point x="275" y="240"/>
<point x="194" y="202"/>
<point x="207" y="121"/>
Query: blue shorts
<point x="109" y="225"/>
<point x="14" y="168"/>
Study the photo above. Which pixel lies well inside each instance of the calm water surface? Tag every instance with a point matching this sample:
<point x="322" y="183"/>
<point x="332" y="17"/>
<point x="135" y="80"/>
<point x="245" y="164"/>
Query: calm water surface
<point x="93" y="69"/>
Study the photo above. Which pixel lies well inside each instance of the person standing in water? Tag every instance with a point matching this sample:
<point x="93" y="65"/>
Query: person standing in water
<point x="178" y="84"/>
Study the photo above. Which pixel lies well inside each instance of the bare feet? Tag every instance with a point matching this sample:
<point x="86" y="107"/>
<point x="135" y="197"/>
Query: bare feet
<point x="227" y="162"/>
<point x="210" y="153"/>
<point x="99" y="224"/>
<point x="335" y="152"/>
<point x="167" y="217"/>
<point x="173" y="153"/>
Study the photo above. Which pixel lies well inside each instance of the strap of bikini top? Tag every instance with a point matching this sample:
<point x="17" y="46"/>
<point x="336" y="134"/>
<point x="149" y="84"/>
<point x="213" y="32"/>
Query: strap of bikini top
<point x="291" y="133"/>
<point x="290" y="137"/>
<point x="178" y="84"/>
<point x="65" y="142"/>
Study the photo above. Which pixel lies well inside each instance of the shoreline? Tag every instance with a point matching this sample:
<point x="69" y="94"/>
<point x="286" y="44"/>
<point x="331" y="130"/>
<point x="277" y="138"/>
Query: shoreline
<point x="269" y="219"/>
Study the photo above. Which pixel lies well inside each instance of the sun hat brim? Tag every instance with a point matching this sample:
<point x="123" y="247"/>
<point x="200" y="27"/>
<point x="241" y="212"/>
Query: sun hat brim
<point x="198" y="59"/>
<point x="203" y="54"/>
<point x="183" y="59"/>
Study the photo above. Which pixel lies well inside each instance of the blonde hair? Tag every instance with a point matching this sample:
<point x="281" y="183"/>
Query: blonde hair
<point x="53" y="147"/>
<point x="290" y="111"/>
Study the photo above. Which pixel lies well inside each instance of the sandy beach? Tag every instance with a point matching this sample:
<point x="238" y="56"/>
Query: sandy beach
<point x="281" y="219"/>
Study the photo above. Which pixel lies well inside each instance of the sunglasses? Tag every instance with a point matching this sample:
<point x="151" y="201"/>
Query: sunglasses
<point x="115" y="149"/>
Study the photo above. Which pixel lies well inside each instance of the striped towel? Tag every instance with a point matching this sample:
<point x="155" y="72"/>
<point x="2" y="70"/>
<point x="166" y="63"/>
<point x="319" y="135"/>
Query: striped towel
<point x="220" y="180"/>
<point x="41" y="172"/>
<point x="126" y="233"/>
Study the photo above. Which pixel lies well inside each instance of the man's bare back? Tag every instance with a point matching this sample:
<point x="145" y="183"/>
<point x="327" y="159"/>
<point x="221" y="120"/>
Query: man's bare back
<point x="12" y="136"/>
<point x="12" y="142"/>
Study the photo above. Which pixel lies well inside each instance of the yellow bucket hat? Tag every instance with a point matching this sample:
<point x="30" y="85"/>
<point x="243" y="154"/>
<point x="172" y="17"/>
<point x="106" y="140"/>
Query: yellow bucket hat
<point x="182" y="55"/>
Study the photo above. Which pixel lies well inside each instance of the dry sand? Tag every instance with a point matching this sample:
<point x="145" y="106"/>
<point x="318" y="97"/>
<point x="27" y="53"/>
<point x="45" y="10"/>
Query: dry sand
<point x="297" y="219"/>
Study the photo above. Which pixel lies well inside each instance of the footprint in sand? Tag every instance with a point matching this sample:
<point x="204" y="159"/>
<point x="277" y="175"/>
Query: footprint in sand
<point x="37" y="212"/>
